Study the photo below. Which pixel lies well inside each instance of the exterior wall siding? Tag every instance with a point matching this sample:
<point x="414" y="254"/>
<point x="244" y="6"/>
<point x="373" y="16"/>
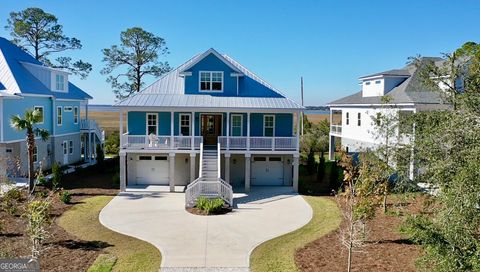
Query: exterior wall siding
<point x="67" y="126"/>
<point x="58" y="150"/>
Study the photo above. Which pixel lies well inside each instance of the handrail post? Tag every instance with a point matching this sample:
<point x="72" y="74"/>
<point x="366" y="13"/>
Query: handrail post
<point x="201" y="161"/>
<point x="218" y="161"/>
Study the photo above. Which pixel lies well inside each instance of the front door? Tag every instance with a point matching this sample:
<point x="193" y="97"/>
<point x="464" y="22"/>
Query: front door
<point x="211" y="128"/>
<point x="65" y="152"/>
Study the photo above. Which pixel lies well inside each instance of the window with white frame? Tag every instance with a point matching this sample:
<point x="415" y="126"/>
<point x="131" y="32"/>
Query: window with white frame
<point x="59" y="116"/>
<point x="237" y="125"/>
<point x="185" y="124"/>
<point x="211" y="81"/>
<point x="35" y="154"/>
<point x="60" y="82"/>
<point x="70" y="147"/>
<point x="359" y="121"/>
<point x="40" y="110"/>
<point x="49" y="149"/>
<point x="269" y="125"/>
<point x="75" y="115"/>
<point x="152" y="124"/>
<point x="67" y="108"/>
<point x="65" y="148"/>
<point x="347" y="118"/>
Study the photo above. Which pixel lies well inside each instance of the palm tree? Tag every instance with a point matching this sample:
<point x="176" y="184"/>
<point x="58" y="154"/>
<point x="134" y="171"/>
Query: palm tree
<point x="27" y="123"/>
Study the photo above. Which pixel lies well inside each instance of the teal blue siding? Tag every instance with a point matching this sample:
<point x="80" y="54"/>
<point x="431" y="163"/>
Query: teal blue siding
<point x="67" y="125"/>
<point x="283" y="123"/>
<point x="136" y="123"/>
<point x="13" y="107"/>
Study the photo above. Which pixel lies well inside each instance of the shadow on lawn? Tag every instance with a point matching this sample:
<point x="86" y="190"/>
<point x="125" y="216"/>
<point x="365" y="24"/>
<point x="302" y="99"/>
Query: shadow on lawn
<point x="84" y="245"/>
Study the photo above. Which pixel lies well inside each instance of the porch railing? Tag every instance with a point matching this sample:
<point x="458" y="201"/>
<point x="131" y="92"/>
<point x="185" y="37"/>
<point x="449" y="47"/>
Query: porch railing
<point x="258" y="143"/>
<point x="160" y="142"/>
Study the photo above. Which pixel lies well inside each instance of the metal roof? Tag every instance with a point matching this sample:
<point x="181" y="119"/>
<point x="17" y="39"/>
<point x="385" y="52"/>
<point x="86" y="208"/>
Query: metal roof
<point x="394" y="72"/>
<point x="168" y="92"/>
<point x="411" y="90"/>
<point x="16" y="79"/>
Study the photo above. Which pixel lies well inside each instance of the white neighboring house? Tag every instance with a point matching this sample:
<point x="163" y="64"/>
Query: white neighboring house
<point x="351" y="117"/>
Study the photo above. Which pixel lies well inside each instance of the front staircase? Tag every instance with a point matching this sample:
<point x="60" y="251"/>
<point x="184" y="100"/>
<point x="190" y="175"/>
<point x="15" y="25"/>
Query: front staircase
<point x="209" y="183"/>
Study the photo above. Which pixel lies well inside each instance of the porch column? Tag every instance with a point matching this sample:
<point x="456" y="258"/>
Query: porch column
<point x="89" y="146"/>
<point x="95" y="146"/>
<point x="247" y="172"/>
<point x="121" y="129"/>
<point x="295" y="172"/>
<point x="171" y="162"/>
<point x="84" y="147"/>
<point x="192" y="167"/>
<point x="331" y="148"/>
<point x="172" y="114"/>
<point x="192" y="119"/>
<point x="228" y="130"/>
<point x="86" y="109"/>
<point x="248" y="130"/>
<point x="298" y="131"/>
<point x="123" y="172"/>
<point x="227" y="167"/>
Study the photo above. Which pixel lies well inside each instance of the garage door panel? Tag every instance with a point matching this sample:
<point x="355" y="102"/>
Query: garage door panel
<point x="153" y="171"/>
<point x="266" y="172"/>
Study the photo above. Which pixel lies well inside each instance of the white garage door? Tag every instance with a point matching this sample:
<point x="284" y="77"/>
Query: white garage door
<point x="267" y="171"/>
<point x="152" y="170"/>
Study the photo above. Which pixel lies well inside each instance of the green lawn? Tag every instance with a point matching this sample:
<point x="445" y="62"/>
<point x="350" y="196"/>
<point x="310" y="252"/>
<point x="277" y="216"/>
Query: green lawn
<point x="278" y="254"/>
<point x="124" y="253"/>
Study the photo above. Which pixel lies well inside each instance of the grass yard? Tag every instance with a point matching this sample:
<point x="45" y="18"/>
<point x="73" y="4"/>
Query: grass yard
<point x="124" y="253"/>
<point x="279" y="254"/>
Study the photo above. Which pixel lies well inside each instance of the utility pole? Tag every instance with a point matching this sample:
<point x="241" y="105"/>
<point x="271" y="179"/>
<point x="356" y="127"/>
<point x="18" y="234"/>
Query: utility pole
<point x="301" y="90"/>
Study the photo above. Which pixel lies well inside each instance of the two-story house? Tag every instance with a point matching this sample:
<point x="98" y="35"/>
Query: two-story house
<point x="209" y="122"/>
<point x="27" y="84"/>
<point x="352" y="117"/>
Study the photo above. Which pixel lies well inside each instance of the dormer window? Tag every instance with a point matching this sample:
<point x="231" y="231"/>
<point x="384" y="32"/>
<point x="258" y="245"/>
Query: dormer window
<point x="367" y="83"/>
<point x="59" y="82"/>
<point x="211" y="81"/>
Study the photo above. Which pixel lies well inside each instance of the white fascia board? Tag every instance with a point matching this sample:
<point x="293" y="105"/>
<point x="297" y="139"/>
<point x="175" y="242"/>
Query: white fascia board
<point x="70" y="99"/>
<point x="208" y="109"/>
<point x="379" y="76"/>
<point x="35" y="95"/>
<point x="236" y="74"/>
<point x="45" y="67"/>
<point x="369" y="105"/>
<point x="185" y="73"/>
<point x="205" y="54"/>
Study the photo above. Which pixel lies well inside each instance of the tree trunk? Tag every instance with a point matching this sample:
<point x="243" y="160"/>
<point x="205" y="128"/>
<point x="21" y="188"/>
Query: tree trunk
<point x="385" y="201"/>
<point x="31" y="171"/>
<point x="350" y="249"/>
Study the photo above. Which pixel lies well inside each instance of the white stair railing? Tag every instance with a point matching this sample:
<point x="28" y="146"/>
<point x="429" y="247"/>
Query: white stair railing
<point x="208" y="188"/>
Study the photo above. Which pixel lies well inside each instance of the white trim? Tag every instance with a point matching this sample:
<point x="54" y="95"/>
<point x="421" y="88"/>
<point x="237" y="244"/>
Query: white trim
<point x="231" y="124"/>
<point x="211" y="82"/>
<point x="208" y="109"/>
<point x="67" y="108"/>
<point x="205" y="54"/>
<point x="43" y="114"/>
<point x="61" y="116"/>
<point x="78" y="114"/>
<point x="39" y="138"/>
<point x="189" y="123"/>
<point x="269" y="115"/>
<point x="73" y="100"/>
<point x="369" y="105"/>
<point x="64" y="148"/>
<point x="146" y="122"/>
<point x="45" y="67"/>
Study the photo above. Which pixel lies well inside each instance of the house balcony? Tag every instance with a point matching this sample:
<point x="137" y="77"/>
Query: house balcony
<point x="336" y="130"/>
<point x="159" y="142"/>
<point x="258" y="143"/>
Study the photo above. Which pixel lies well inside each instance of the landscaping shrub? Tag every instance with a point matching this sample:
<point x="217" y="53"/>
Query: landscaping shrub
<point x="116" y="178"/>
<point x="321" y="169"/>
<point x="38" y="220"/>
<point x="112" y="144"/>
<point x="2" y="225"/>
<point x="210" y="206"/>
<point x="100" y="155"/>
<point x="311" y="162"/>
<point x="335" y="179"/>
<point x="57" y="174"/>
<point x="65" y="197"/>
<point x="10" y="200"/>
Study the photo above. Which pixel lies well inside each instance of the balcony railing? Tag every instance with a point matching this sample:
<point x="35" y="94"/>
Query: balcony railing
<point x="160" y="142"/>
<point x="336" y="129"/>
<point x="257" y="143"/>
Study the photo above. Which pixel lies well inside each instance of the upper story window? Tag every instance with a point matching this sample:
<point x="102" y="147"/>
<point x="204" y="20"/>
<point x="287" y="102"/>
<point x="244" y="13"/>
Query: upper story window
<point x="347" y="118"/>
<point x="378" y="81"/>
<point x="39" y="109"/>
<point x="359" y="121"/>
<point x="59" y="82"/>
<point x="367" y="82"/>
<point x="211" y="81"/>
<point x="75" y="115"/>
<point x="268" y="125"/>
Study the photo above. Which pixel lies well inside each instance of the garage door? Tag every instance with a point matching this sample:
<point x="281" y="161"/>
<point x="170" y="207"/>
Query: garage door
<point x="152" y="170"/>
<point x="267" y="171"/>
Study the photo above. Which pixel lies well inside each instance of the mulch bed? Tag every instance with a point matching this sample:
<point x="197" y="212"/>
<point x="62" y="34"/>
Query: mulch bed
<point x="63" y="252"/>
<point x="386" y="248"/>
<point x="197" y="211"/>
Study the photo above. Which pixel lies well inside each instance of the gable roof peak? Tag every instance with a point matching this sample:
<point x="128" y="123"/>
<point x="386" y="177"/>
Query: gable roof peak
<point x="206" y="54"/>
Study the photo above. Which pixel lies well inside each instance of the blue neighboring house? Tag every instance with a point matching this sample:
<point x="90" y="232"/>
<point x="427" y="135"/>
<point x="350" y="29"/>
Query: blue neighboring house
<point x="210" y="124"/>
<point x="27" y="84"/>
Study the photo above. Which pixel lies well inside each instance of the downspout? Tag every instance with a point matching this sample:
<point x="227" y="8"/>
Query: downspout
<point x="54" y="124"/>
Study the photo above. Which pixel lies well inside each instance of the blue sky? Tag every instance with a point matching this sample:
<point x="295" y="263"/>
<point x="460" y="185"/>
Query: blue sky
<point x="329" y="43"/>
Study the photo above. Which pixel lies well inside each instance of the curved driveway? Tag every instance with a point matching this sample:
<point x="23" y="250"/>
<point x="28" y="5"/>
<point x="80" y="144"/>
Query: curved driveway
<point x="187" y="240"/>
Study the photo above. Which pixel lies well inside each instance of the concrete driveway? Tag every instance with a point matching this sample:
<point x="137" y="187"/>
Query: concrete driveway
<point x="187" y="240"/>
